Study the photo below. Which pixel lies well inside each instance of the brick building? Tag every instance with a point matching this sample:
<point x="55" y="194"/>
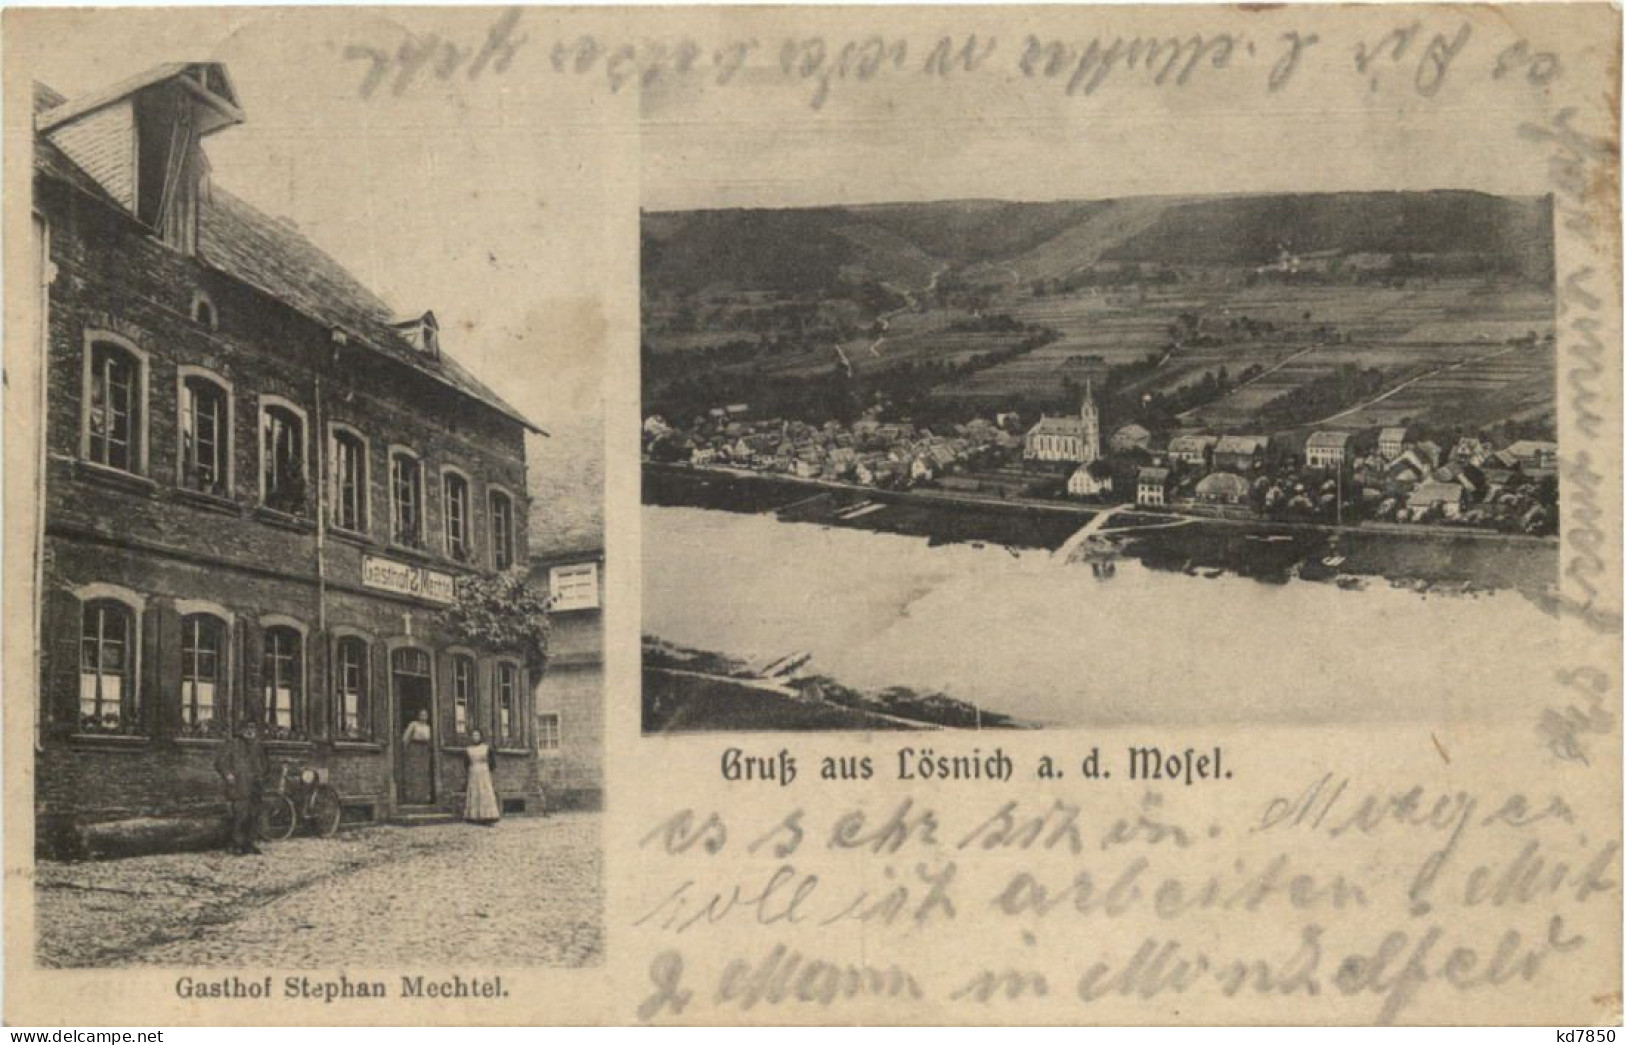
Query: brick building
<point x="261" y="485"/>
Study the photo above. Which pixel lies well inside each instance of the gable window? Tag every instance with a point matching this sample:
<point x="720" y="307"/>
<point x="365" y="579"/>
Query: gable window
<point x="463" y="696"/>
<point x="205" y="434"/>
<point x="283" y="672"/>
<point x="406" y="498"/>
<point x="547" y="732"/>
<point x="350" y="685"/>
<point x="203" y="711"/>
<point x="282" y="458"/>
<point x="113" y="401"/>
<point x="349" y="464"/>
<point x="203" y="311"/>
<point x="501" y="530"/>
<point x="457" y="528"/>
<point x="507" y="704"/>
<point x="107" y="692"/>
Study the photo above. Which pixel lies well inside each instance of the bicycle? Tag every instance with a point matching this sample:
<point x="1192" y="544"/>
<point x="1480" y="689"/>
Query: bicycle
<point x="307" y="798"/>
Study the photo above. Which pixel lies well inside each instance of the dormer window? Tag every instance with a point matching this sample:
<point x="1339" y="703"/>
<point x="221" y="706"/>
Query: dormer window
<point x="142" y="141"/>
<point x="422" y="333"/>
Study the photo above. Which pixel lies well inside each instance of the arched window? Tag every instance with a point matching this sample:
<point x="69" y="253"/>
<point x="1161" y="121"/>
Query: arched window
<point x="458" y="545"/>
<point x="108" y="701"/>
<point x="351" y="690"/>
<point x="283" y="676"/>
<point x="203" y="676"/>
<point x="349" y="467"/>
<point x="205" y="435"/>
<point x="113" y="407"/>
<point x="406" y="498"/>
<point x="282" y="458"/>
<point x="501" y="530"/>
<point x="203" y="310"/>
<point x="509" y="732"/>
<point x="464" y="695"/>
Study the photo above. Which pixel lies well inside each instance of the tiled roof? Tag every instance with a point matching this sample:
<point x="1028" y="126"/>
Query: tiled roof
<point x="1328" y="440"/>
<point x="1241" y="444"/>
<point x="1058" y="426"/>
<point x="273" y="256"/>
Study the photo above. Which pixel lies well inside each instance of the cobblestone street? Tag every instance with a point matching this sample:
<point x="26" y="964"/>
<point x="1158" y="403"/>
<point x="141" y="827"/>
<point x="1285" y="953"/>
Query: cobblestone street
<point x="526" y="892"/>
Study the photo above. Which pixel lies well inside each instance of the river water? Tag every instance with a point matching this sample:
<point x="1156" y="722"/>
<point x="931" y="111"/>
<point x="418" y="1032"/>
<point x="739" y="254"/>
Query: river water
<point x="1048" y="641"/>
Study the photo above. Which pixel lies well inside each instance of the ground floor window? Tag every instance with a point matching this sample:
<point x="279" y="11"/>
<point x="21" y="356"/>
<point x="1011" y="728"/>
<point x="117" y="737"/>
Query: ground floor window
<point x="284" y="672"/>
<point x="507" y="705"/>
<point x="203" y="711"/>
<point x="107" y="693"/>
<point x="463" y="695"/>
<point x="547" y="732"/>
<point x="350" y="689"/>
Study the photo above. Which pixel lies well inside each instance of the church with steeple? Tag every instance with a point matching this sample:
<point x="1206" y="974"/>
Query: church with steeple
<point x="1073" y="439"/>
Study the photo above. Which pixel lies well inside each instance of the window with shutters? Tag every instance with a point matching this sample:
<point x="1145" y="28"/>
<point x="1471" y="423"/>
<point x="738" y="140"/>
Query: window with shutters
<point x="115" y="401"/>
<point x="464" y="695"/>
<point x="507" y="718"/>
<point x="108" y="695"/>
<point x="350" y="697"/>
<point x="282" y="678"/>
<point x="204" y="712"/>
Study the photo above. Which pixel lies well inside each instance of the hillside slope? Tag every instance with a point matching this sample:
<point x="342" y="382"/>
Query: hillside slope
<point x="813" y="249"/>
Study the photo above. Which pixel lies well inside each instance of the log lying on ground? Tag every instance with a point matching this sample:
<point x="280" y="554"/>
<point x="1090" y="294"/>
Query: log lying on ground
<point x="145" y="836"/>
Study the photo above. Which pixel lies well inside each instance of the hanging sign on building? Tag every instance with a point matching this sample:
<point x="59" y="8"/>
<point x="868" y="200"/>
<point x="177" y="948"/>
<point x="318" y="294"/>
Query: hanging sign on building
<point x="406" y="579"/>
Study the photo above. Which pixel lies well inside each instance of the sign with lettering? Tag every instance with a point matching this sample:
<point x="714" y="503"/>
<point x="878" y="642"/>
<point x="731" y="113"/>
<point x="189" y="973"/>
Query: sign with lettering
<point x="405" y="579"/>
<point x="574" y="587"/>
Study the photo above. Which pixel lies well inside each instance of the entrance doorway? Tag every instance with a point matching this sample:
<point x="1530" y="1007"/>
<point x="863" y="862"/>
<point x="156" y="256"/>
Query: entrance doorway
<point x="414" y="704"/>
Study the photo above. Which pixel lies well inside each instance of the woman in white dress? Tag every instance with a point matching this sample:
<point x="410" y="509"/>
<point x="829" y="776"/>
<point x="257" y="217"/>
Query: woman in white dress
<point x="482" y="807"/>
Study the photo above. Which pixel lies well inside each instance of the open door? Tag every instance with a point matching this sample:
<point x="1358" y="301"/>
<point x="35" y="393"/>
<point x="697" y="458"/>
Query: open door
<point x="414" y="727"/>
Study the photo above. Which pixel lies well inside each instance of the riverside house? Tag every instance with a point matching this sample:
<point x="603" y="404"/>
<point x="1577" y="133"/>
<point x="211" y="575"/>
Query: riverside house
<point x="262" y="485"/>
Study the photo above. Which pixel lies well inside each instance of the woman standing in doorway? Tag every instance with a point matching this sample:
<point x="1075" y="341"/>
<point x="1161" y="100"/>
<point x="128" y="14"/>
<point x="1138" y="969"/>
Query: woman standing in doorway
<point x="417" y="752"/>
<point x="481" y="807"/>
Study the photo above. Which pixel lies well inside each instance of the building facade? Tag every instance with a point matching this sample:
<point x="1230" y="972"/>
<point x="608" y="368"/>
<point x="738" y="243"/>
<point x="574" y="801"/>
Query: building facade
<point x="569" y="694"/>
<point x="1326" y="449"/>
<point x="262" y="486"/>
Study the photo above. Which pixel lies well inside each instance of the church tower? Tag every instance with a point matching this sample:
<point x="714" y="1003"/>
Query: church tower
<point x="1091" y="424"/>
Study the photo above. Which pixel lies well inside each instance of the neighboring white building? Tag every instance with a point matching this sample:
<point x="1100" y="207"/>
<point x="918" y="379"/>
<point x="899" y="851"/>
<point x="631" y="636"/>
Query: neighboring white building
<point x="1326" y="449"/>
<point x="1152" y="487"/>
<point x="1391" y="442"/>
<point x="1090" y="480"/>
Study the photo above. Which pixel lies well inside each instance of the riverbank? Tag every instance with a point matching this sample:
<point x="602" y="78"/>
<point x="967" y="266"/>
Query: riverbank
<point x="687" y="691"/>
<point x="1424" y="558"/>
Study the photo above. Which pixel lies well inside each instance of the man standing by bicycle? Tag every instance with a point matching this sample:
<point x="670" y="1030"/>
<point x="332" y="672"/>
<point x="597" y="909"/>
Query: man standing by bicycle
<point x="244" y="767"/>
